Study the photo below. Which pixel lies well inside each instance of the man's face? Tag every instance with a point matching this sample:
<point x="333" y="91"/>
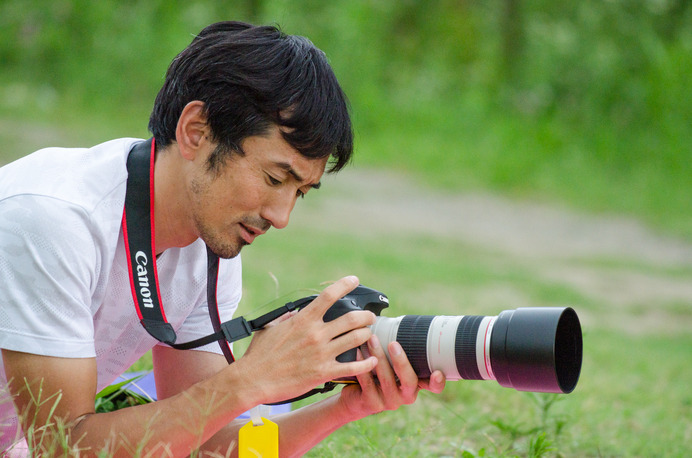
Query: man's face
<point x="250" y="193"/>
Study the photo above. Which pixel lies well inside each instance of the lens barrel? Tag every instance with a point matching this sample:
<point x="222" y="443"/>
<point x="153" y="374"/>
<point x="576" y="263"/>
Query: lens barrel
<point x="529" y="349"/>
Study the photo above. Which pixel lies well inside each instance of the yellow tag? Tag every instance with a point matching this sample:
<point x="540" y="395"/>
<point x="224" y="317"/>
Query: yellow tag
<point x="259" y="441"/>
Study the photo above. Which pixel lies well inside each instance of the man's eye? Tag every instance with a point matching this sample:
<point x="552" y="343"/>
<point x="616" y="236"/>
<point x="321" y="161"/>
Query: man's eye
<point x="273" y="181"/>
<point x="300" y="194"/>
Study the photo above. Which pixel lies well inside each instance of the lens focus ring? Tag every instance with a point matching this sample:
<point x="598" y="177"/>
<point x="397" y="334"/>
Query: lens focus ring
<point x="413" y="337"/>
<point x="465" y="347"/>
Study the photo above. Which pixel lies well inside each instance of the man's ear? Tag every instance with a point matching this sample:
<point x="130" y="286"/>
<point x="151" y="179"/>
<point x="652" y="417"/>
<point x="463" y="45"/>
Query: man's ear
<point x="192" y="131"/>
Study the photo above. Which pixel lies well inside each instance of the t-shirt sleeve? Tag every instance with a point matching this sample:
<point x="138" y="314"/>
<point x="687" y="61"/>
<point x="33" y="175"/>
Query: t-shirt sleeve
<point x="48" y="268"/>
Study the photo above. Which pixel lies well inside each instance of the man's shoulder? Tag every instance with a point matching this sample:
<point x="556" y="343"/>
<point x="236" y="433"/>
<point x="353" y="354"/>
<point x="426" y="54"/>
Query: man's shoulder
<point x="81" y="176"/>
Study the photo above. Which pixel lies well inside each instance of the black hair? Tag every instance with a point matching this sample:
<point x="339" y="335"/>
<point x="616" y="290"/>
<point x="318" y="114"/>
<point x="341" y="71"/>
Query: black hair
<point x="250" y="78"/>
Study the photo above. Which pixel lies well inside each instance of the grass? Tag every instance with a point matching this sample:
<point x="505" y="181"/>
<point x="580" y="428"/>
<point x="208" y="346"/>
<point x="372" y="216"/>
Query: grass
<point x="625" y="405"/>
<point x="632" y="400"/>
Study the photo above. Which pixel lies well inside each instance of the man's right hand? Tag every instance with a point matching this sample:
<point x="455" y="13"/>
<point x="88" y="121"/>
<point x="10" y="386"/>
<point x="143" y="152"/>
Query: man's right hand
<point x="299" y="353"/>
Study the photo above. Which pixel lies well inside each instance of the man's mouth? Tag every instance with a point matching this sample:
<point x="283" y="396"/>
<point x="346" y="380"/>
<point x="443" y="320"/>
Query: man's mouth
<point x="249" y="233"/>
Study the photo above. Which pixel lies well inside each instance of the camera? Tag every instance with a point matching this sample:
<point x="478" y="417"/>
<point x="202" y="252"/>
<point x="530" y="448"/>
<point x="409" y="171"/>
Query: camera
<point x="528" y="349"/>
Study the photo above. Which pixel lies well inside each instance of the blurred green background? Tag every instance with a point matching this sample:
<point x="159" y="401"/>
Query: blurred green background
<point x="580" y="102"/>
<point x="583" y="106"/>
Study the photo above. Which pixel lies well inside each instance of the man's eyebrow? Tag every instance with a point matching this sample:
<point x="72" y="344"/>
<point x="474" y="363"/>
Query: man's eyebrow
<point x="287" y="167"/>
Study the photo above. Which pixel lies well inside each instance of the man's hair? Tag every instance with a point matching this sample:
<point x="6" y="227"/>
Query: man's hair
<point x="250" y="78"/>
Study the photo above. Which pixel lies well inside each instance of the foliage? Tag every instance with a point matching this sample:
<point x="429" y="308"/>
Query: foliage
<point x="585" y="103"/>
<point x="118" y="396"/>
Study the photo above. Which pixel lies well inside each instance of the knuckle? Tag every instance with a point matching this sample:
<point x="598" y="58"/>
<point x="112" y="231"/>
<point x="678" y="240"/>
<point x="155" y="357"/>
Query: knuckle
<point x="369" y="317"/>
<point x="385" y="386"/>
<point x="313" y="339"/>
<point x="360" y="336"/>
<point x="353" y="319"/>
<point x="379" y="405"/>
<point x="329" y="295"/>
<point x="410" y="397"/>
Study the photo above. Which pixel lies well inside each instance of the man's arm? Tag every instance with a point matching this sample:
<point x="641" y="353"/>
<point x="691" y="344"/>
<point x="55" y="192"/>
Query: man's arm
<point x="274" y="368"/>
<point x="36" y="384"/>
<point x="300" y="430"/>
<point x="48" y="389"/>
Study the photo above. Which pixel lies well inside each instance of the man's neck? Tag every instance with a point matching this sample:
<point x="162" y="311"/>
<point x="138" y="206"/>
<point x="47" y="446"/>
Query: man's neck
<point x="173" y="223"/>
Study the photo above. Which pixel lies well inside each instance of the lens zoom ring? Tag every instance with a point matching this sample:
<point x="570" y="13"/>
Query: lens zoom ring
<point x="465" y="347"/>
<point x="413" y="337"/>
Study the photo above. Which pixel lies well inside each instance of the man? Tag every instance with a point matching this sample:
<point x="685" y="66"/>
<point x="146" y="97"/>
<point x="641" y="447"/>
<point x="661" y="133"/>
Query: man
<point x="245" y="123"/>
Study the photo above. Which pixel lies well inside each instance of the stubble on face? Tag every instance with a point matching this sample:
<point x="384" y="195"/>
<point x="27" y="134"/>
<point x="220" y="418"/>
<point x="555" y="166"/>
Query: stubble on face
<point x="219" y="244"/>
<point x="226" y="241"/>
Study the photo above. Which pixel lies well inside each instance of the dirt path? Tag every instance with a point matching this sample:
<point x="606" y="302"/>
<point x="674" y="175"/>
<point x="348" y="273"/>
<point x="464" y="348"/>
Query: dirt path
<point x="643" y="280"/>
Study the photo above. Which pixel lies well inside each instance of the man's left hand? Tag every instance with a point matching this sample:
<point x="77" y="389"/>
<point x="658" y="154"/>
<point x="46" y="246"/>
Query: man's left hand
<point x="390" y="386"/>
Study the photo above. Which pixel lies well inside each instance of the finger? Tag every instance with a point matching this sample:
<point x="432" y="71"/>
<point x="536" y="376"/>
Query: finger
<point x="329" y="295"/>
<point x="366" y="380"/>
<point x="385" y="373"/>
<point x="435" y="384"/>
<point x="354" y="368"/>
<point x="353" y="338"/>
<point x="350" y="321"/>
<point x="408" y="380"/>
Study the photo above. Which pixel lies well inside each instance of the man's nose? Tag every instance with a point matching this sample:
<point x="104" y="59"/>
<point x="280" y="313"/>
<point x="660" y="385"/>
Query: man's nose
<point x="278" y="211"/>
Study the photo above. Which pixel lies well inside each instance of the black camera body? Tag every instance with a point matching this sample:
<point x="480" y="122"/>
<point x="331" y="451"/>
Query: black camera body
<point x="361" y="298"/>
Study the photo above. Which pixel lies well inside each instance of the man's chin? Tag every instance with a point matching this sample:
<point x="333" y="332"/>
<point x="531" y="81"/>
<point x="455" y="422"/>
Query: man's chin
<point x="226" y="251"/>
<point x="227" y="254"/>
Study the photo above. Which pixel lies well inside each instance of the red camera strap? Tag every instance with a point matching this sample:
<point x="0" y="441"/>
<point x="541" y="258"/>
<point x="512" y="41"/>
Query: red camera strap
<point x="138" y="232"/>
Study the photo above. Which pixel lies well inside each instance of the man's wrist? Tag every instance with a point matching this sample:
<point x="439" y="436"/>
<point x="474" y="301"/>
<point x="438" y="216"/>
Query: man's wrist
<point x="345" y="408"/>
<point x="247" y="388"/>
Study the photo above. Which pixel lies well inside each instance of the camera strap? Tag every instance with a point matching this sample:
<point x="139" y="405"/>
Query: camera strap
<point x="138" y="233"/>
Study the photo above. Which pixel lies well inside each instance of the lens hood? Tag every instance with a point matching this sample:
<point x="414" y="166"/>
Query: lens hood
<point x="537" y="349"/>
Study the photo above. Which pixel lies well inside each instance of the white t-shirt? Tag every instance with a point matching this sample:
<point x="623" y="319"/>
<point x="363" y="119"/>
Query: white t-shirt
<point x="64" y="282"/>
